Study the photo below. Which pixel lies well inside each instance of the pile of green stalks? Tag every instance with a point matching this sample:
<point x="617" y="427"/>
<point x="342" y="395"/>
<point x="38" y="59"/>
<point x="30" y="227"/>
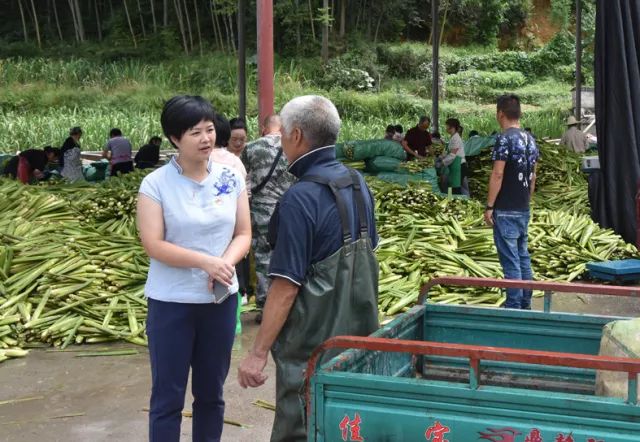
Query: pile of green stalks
<point x="560" y="185"/>
<point x="417" y="166"/>
<point x="109" y="206"/>
<point x="423" y="236"/>
<point x="72" y="269"/>
<point x="358" y="165"/>
<point x="64" y="278"/>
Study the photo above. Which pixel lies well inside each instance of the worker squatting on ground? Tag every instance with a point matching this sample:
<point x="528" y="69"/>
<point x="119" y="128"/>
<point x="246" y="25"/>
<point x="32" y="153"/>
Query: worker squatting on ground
<point x="32" y="165"/>
<point x="323" y="267"/>
<point x="512" y="183"/>
<point x="268" y="179"/>
<point x="193" y="219"/>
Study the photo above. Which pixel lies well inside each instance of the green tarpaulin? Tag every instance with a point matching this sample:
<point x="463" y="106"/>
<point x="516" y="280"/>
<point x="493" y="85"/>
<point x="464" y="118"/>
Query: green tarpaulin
<point x="474" y="145"/>
<point x="382" y="164"/>
<point x="366" y="149"/>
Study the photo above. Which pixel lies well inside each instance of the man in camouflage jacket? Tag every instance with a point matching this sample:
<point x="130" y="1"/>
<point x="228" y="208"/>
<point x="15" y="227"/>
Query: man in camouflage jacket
<point x="258" y="158"/>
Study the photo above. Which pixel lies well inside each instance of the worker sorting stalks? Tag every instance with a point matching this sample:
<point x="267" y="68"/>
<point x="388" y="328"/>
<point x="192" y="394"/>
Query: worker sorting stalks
<point x="323" y="268"/>
<point x="30" y="165"/>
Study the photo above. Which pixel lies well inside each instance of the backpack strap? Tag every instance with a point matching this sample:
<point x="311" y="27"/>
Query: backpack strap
<point x="335" y="185"/>
<point x="358" y="194"/>
<point x="266" y="179"/>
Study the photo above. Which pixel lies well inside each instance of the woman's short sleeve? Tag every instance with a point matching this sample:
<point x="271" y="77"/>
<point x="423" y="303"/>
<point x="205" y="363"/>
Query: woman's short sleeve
<point x="242" y="185"/>
<point x="150" y="188"/>
<point x="239" y="166"/>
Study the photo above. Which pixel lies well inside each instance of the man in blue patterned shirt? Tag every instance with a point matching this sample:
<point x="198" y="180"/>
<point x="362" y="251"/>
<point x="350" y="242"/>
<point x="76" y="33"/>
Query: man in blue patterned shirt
<point x="512" y="182"/>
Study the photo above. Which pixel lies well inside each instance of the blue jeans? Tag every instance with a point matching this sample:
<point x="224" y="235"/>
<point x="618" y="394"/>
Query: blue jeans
<point x="183" y="336"/>
<point x="510" y="236"/>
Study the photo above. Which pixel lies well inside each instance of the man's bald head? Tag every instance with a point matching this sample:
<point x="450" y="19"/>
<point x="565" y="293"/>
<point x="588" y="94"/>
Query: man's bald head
<point x="271" y="124"/>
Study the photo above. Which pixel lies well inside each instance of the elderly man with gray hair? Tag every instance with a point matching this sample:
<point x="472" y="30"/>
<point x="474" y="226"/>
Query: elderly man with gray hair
<point x="323" y="267"/>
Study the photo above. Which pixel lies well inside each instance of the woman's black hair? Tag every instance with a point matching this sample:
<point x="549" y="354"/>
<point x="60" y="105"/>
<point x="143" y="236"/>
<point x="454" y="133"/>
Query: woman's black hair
<point x="390" y="129"/>
<point x="455" y="123"/>
<point x="53" y="150"/>
<point x="238" y="123"/>
<point x="182" y="112"/>
<point x="223" y="130"/>
<point x="69" y="143"/>
<point x="398" y="128"/>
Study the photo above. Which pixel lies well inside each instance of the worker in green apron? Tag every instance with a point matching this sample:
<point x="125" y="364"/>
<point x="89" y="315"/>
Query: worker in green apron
<point x="323" y="268"/>
<point x="451" y="166"/>
<point x="449" y="175"/>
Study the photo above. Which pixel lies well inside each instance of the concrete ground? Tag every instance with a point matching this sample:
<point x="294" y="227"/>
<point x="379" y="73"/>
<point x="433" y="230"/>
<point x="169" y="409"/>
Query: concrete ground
<point x="592" y="304"/>
<point x="104" y="398"/>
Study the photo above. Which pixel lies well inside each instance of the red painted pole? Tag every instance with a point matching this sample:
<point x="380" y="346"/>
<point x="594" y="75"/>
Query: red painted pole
<point x="265" y="58"/>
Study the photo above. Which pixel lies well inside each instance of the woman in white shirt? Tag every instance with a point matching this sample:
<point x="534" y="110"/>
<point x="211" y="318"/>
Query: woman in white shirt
<point x="456" y="150"/>
<point x="193" y="219"/>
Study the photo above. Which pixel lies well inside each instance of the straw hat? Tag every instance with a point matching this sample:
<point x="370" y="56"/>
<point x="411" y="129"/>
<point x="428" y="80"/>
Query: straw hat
<point x="571" y="121"/>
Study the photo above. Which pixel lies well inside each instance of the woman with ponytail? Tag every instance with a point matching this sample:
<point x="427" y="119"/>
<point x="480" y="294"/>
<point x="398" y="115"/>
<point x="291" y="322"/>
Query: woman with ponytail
<point x="455" y="159"/>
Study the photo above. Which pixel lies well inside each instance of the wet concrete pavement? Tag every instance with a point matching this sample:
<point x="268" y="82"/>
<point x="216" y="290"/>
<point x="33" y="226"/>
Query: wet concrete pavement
<point x="104" y="398"/>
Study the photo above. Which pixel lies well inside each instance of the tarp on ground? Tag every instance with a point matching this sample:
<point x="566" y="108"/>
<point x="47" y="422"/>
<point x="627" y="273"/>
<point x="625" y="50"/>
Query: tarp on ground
<point x="382" y="164"/>
<point x="403" y="178"/>
<point x="617" y="81"/>
<point x="364" y="149"/>
<point x="96" y="171"/>
<point x="474" y="145"/>
<point x="428" y="175"/>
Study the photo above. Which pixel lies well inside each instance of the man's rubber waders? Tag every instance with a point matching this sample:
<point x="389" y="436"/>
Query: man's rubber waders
<point x="339" y="297"/>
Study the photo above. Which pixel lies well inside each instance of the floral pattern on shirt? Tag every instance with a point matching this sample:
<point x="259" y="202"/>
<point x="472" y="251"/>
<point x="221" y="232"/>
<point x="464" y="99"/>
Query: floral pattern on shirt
<point x="226" y="182"/>
<point x="519" y="149"/>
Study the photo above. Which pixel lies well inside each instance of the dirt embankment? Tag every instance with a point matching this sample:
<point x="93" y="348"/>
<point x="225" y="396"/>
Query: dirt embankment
<point x="540" y="23"/>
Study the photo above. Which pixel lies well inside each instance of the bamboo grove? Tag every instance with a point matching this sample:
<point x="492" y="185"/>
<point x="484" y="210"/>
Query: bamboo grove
<point x="312" y="26"/>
